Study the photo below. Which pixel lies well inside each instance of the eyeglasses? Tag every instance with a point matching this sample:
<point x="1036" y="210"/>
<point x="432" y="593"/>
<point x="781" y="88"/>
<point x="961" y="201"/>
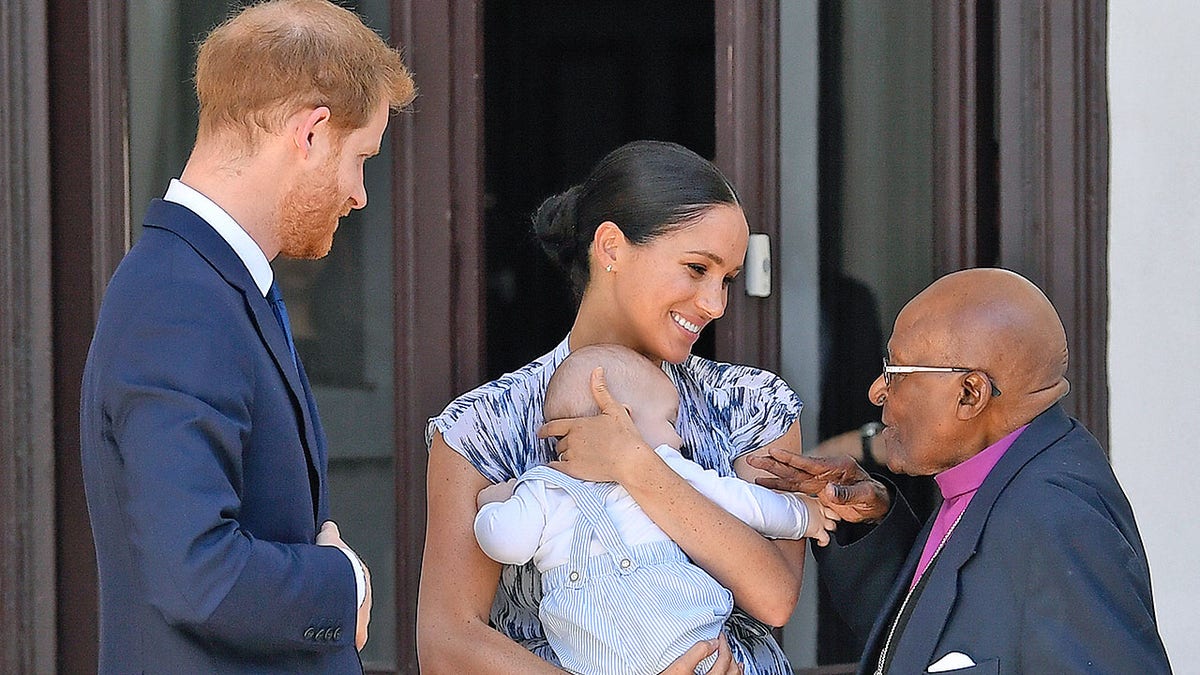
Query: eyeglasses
<point x="890" y="371"/>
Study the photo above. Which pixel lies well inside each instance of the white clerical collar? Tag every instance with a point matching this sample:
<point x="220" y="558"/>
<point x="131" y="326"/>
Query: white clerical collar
<point x="242" y="244"/>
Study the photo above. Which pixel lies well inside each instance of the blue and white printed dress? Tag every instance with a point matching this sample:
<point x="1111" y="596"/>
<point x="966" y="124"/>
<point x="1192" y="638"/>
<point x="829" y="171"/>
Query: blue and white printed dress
<point x="725" y="411"/>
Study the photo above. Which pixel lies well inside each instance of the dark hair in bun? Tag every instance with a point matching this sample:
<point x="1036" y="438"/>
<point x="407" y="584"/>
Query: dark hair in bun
<point x="648" y="188"/>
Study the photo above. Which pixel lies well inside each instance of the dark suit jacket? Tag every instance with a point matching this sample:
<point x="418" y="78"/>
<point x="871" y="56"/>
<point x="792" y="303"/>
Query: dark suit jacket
<point x="1045" y="573"/>
<point x="204" y="465"/>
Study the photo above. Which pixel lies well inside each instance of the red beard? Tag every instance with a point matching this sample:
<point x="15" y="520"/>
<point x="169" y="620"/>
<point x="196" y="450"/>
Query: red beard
<point x="309" y="214"/>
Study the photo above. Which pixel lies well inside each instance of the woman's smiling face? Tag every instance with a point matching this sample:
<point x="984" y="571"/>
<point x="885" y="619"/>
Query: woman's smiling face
<point x="669" y="288"/>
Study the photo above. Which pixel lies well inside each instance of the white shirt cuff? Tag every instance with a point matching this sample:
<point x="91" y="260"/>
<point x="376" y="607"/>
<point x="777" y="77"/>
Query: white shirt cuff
<point x="360" y="578"/>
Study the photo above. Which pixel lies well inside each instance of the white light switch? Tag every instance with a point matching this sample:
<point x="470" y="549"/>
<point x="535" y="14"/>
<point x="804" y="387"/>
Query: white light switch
<point x="758" y="266"/>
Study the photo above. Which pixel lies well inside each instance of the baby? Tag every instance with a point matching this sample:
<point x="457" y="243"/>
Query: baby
<point x="619" y="596"/>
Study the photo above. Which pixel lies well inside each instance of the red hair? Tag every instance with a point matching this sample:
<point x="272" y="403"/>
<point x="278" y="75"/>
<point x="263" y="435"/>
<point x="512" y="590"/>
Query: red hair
<point x="269" y="61"/>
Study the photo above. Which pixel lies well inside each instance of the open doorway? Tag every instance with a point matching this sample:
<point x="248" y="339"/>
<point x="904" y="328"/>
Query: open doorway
<point x="565" y="84"/>
<point x="857" y="235"/>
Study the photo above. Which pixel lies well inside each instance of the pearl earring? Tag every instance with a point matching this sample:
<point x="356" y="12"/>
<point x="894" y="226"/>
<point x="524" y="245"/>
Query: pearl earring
<point x="608" y="269"/>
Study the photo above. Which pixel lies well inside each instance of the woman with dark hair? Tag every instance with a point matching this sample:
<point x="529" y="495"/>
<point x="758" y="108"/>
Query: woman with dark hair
<point x="651" y="240"/>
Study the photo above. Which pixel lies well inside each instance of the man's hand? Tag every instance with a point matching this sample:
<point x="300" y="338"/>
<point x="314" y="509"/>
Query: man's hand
<point x="839" y="482"/>
<point x="603" y="447"/>
<point x="725" y="665"/>
<point x="330" y="536"/>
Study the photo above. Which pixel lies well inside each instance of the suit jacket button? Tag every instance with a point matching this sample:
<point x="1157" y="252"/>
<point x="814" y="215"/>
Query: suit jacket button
<point x="308" y="634"/>
<point x="321" y="634"/>
<point x="337" y="633"/>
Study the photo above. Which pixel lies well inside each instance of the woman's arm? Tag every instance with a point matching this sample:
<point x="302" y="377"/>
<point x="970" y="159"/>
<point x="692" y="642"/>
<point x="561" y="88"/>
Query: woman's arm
<point x="764" y="575"/>
<point x="458" y="582"/>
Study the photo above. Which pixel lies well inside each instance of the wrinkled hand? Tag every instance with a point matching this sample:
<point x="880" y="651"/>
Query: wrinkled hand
<point x="839" y="482"/>
<point x="496" y="492"/>
<point x="331" y="536"/>
<point x="603" y="447"/>
<point x="725" y="665"/>
<point x="821" y="520"/>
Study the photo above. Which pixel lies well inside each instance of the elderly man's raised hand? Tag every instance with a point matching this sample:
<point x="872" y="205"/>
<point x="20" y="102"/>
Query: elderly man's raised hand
<point x="839" y="482"/>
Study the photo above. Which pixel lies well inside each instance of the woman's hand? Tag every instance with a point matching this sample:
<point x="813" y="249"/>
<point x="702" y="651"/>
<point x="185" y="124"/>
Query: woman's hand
<point x="603" y="447"/>
<point x="839" y="482"/>
<point x="725" y="665"/>
<point x="763" y="575"/>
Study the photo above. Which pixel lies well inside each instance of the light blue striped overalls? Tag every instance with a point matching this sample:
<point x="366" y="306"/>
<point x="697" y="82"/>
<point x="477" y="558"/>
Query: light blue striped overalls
<point x="630" y="611"/>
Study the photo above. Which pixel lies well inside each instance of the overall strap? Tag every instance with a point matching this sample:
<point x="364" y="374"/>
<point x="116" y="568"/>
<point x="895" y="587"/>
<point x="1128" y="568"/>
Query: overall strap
<point x="589" y="499"/>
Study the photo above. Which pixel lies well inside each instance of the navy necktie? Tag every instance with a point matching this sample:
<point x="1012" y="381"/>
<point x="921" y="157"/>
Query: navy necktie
<point x="276" y="299"/>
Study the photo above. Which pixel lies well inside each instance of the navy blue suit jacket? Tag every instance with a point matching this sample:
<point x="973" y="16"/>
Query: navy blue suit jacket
<point x="204" y="465"/>
<point x="1045" y="573"/>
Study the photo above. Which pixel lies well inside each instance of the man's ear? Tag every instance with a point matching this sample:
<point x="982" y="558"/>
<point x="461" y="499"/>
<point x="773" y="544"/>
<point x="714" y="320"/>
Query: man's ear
<point x="307" y="126"/>
<point x="607" y="243"/>
<point x="974" y="395"/>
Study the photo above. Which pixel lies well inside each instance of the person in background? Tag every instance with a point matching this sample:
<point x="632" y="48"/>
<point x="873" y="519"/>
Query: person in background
<point x="203" y="454"/>
<point x="848" y="424"/>
<point x="1033" y="562"/>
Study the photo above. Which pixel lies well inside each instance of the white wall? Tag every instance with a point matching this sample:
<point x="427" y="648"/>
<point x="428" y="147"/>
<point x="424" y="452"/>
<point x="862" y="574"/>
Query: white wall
<point x="1154" y="297"/>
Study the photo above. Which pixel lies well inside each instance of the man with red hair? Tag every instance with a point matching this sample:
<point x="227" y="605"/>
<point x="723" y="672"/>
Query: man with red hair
<point x="203" y="454"/>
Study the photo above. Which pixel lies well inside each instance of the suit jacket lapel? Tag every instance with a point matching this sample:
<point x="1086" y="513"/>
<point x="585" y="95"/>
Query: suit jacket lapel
<point x="318" y="462"/>
<point x="214" y="249"/>
<point x="932" y="611"/>
<point x="883" y="623"/>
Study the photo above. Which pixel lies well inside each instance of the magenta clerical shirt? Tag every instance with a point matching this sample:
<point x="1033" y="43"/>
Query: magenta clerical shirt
<point x="958" y="485"/>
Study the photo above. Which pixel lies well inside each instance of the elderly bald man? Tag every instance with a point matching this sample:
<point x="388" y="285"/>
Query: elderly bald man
<point x="1033" y="562"/>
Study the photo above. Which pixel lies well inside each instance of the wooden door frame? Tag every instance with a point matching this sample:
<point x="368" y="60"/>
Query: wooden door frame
<point x="747" y="135"/>
<point x="27" y="490"/>
<point x="439" y="258"/>
<point x="88" y="125"/>
<point x="1016" y="182"/>
<point x="1053" y="176"/>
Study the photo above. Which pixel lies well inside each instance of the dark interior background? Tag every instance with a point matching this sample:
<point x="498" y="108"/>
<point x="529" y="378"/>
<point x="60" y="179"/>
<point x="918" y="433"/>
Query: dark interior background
<point x="566" y="83"/>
